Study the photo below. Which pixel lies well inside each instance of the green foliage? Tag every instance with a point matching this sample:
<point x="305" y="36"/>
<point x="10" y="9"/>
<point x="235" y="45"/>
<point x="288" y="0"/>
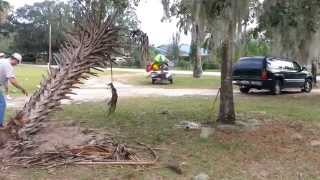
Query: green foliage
<point x="174" y="50"/>
<point x="153" y="52"/>
<point x="253" y="47"/>
<point x="209" y="65"/>
<point x="183" y="63"/>
<point x="127" y="16"/>
<point x="4" y="5"/>
<point x="35" y="20"/>
<point x="5" y="42"/>
<point x="136" y="54"/>
<point x="291" y="26"/>
<point x="30" y="24"/>
<point x="257" y="48"/>
<point x="4" y="9"/>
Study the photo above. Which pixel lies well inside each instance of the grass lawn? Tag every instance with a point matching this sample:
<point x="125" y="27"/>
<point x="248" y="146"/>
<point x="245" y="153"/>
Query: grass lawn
<point x="116" y="73"/>
<point x="212" y="70"/>
<point x="29" y="77"/>
<point x="267" y="153"/>
<point x="179" y="81"/>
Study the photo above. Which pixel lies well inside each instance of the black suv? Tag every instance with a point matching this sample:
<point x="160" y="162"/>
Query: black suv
<point x="270" y="73"/>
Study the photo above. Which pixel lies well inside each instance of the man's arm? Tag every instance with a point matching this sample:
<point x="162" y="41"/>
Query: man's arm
<point x="15" y="83"/>
<point x="6" y="88"/>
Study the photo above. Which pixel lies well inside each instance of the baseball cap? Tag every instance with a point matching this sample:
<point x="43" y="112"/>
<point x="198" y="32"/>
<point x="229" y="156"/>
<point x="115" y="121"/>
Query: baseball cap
<point x="17" y="56"/>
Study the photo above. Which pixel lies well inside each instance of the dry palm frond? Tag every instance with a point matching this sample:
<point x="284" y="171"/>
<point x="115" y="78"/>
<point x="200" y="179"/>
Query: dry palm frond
<point x="116" y="154"/>
<point x="91" y="46"/>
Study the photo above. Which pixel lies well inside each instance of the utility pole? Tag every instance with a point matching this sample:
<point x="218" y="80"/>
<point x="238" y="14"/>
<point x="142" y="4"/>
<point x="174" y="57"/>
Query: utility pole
<point x="50" y="51"/>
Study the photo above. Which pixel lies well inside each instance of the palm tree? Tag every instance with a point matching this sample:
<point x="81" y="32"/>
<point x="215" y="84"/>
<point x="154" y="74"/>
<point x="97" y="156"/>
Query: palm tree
<point x="230" y="15"/>
<point x="88" y="47"/>
<point x="197" y="31"/>
<point x="223" y="19"/>
<point x="187" y="13"/>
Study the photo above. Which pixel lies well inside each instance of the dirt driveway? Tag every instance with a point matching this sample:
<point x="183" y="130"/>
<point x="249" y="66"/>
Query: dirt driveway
<point x="96" y="89"/>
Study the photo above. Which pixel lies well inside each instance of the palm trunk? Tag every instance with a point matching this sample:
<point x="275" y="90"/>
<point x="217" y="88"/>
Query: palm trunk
<point x="314" y="71"/>
<point x="144" y="58"/>
<point x="196" y="30"/>
<point x="196" y="52"/>
<point x="227" y="113"/>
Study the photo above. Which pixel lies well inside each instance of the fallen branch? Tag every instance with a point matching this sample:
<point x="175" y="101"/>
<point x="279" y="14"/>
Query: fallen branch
<point x="117" y="154"/>
<point x="117" y="163"/>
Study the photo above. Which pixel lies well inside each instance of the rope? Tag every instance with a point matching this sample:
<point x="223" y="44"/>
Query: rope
<point x="212" y="109"/>
<point x="111" y="72"/>
<point x="112" y="103"/>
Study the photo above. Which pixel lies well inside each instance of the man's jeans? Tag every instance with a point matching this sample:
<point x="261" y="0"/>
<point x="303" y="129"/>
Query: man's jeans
<point x="2" y="108"/>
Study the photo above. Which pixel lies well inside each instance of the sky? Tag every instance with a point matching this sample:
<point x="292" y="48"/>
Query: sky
<point x="19" y="3"/>
<point x="149" y="13"/>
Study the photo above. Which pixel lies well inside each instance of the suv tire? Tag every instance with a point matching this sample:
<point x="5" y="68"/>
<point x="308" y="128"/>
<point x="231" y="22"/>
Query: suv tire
<point x="244" y="90"/>
<point x="277" y="87"/>
<point x="307" y="87"/>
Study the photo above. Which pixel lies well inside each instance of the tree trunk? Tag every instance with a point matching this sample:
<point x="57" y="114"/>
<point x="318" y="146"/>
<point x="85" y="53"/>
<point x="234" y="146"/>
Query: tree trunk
<point x="314" y="71"/>
<point x="196" y="38"/>
<point x="226" y="112"/>
<point x="144" y="59"/>
<point x="196" y="52"/>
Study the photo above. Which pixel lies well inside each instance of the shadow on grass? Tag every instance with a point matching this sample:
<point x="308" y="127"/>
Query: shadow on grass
<point x="269" y="93"/>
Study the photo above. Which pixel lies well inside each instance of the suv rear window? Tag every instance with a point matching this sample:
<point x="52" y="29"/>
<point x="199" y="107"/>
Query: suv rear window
<point x="251" y="63"/>
<point x="282" y="65"/>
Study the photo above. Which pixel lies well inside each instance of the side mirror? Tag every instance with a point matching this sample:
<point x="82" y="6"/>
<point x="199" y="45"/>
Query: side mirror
<point x="303" y="68"/>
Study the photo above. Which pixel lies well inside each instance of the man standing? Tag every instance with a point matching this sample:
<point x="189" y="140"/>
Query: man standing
<point x="6" y="86"/>
<point x="7" y="75"/>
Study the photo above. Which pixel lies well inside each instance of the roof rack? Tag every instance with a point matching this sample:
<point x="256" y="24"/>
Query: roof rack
<point x="279" y="58"/>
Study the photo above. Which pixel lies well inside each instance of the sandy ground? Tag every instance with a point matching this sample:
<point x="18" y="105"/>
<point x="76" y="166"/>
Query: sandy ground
<point x="96" y="89"/>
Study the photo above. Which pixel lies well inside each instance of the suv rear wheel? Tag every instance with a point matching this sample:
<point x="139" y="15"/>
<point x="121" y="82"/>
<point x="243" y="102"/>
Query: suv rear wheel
<point x="244" y="90"/>
<point x="277" y="87"/>
<point x="307" y="87"/>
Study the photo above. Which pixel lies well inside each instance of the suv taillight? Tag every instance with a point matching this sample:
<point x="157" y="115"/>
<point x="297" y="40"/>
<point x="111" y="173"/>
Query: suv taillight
<point x="264" y="75"/>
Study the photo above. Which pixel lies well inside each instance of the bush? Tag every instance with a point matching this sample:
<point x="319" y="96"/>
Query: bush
<point x="29" y="58"/>
<point x="209" y="65"/>
<point x="183" y="64"/>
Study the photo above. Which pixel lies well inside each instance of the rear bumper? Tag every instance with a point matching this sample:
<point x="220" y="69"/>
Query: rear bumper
<point x="257" y="84"/>
<point x="161" y="76"/>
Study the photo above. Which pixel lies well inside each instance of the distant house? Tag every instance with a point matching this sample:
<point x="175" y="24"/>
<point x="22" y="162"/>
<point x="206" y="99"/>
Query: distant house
<point x="184" y="50"/>
<point x="184" y="60"/>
